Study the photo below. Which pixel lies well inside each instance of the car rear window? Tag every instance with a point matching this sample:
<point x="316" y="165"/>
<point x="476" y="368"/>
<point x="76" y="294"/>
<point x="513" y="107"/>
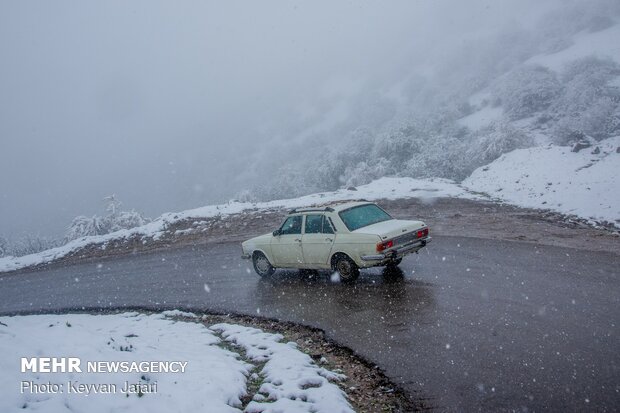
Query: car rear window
<point x="362" y="216"/>
<point x="314" y="224"/>
<point x="318" y="224"/>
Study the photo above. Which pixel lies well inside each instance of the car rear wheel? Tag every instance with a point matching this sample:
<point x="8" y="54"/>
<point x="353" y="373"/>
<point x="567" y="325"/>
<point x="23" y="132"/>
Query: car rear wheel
<point x="262" y="266"/>
<point x="394" y="263"/>
<point x="346" y="267"/>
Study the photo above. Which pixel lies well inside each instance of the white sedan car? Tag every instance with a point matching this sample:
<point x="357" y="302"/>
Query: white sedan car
<point x="341" y="237"/>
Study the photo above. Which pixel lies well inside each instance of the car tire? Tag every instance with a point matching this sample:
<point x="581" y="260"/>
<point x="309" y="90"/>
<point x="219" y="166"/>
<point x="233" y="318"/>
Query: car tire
<point x="262" y="266"/>
<point x="346" y="267"/>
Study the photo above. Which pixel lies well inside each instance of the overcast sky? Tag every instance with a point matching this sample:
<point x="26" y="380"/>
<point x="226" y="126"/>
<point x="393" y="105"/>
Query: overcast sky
<point x="167" y="103"/>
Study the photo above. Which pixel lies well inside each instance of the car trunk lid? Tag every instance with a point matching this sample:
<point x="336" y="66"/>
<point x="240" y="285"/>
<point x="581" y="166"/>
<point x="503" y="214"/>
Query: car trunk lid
<point x="392" y="229"/>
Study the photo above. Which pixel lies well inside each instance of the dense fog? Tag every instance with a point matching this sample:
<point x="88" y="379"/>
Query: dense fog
<point x="174" y="105"/>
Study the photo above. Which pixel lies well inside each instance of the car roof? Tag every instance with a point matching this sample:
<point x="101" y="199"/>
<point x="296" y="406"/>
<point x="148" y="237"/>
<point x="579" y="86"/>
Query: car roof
<point x="332" y="207"/>
<point x="347" y="205"/>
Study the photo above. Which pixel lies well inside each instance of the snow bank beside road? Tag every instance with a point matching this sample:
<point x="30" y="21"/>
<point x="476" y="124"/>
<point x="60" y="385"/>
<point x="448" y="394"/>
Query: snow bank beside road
<point x="215" y="379"/>
<point x="584" y="183"/>
<point x="287" y="388"/>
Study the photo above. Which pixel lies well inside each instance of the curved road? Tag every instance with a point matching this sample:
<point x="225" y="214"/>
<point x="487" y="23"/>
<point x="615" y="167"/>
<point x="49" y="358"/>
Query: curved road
<point x="469" y="324"/>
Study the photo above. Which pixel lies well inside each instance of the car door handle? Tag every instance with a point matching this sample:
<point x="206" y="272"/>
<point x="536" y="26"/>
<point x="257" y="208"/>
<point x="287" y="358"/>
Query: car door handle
<point x="328" y="239"/>
<point x="297" y="240"/>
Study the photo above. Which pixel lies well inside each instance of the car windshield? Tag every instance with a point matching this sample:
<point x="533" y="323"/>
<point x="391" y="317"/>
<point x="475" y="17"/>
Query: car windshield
<point x="362" y="216"/>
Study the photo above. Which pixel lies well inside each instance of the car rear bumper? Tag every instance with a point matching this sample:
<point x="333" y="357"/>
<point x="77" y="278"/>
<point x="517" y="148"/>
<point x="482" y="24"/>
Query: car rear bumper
<point x="398" y="252"/>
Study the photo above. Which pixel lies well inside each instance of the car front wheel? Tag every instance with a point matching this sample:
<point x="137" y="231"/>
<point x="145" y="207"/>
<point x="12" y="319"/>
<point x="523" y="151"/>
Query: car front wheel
<point x="346" y="267"/>
<point x="262" y="266"/>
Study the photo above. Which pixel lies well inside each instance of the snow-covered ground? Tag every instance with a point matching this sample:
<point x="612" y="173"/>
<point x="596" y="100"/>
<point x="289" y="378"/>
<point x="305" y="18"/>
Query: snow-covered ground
<point x="214" y="378"/>
<point x="291" y="379"/>
<point x="581" y="183"/>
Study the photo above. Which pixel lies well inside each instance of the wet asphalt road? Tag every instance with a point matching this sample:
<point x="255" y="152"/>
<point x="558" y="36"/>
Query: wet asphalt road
<point x="469" y="324"/>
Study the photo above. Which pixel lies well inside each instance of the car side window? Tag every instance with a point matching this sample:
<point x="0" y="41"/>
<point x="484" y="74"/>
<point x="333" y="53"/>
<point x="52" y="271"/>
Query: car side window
<point x="327" y="228"/>
<point x="292" y="225"/>
<point x="314" y="224"/>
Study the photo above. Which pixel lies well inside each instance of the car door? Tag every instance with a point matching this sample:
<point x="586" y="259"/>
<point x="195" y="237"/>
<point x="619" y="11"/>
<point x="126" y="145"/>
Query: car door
<point x="286" y="247"/>
<point x="317" y="239"/>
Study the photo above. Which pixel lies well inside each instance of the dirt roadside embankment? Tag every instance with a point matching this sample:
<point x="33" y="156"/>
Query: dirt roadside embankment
<point x="445" y="216"/>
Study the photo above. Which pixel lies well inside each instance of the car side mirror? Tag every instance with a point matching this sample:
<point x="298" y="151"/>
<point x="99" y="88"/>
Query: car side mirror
<point x="276" y="232"/>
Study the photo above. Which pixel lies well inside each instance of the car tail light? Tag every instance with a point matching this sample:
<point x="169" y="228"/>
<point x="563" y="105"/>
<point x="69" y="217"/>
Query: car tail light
<point x="385" y="245"/>
<point x="423" y="233"/>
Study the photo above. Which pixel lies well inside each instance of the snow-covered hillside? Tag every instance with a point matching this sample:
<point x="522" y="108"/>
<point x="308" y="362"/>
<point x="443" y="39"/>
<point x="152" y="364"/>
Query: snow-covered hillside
<point x="530" y="95"/>
<point x="584" y="183"/>
<point x="602" y="44"/>
<point x="557" y="81"/>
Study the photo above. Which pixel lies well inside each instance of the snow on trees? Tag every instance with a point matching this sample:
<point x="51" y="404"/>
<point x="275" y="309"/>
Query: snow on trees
<point x="589" y="103"/>
<point x="26" y="244"/>
<point x="4" y="244"/>
<point x="526" y="90"/>
<point x="495" y="140"/>
<point x="115" y="220"/>
<point x="82" y="226"/>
